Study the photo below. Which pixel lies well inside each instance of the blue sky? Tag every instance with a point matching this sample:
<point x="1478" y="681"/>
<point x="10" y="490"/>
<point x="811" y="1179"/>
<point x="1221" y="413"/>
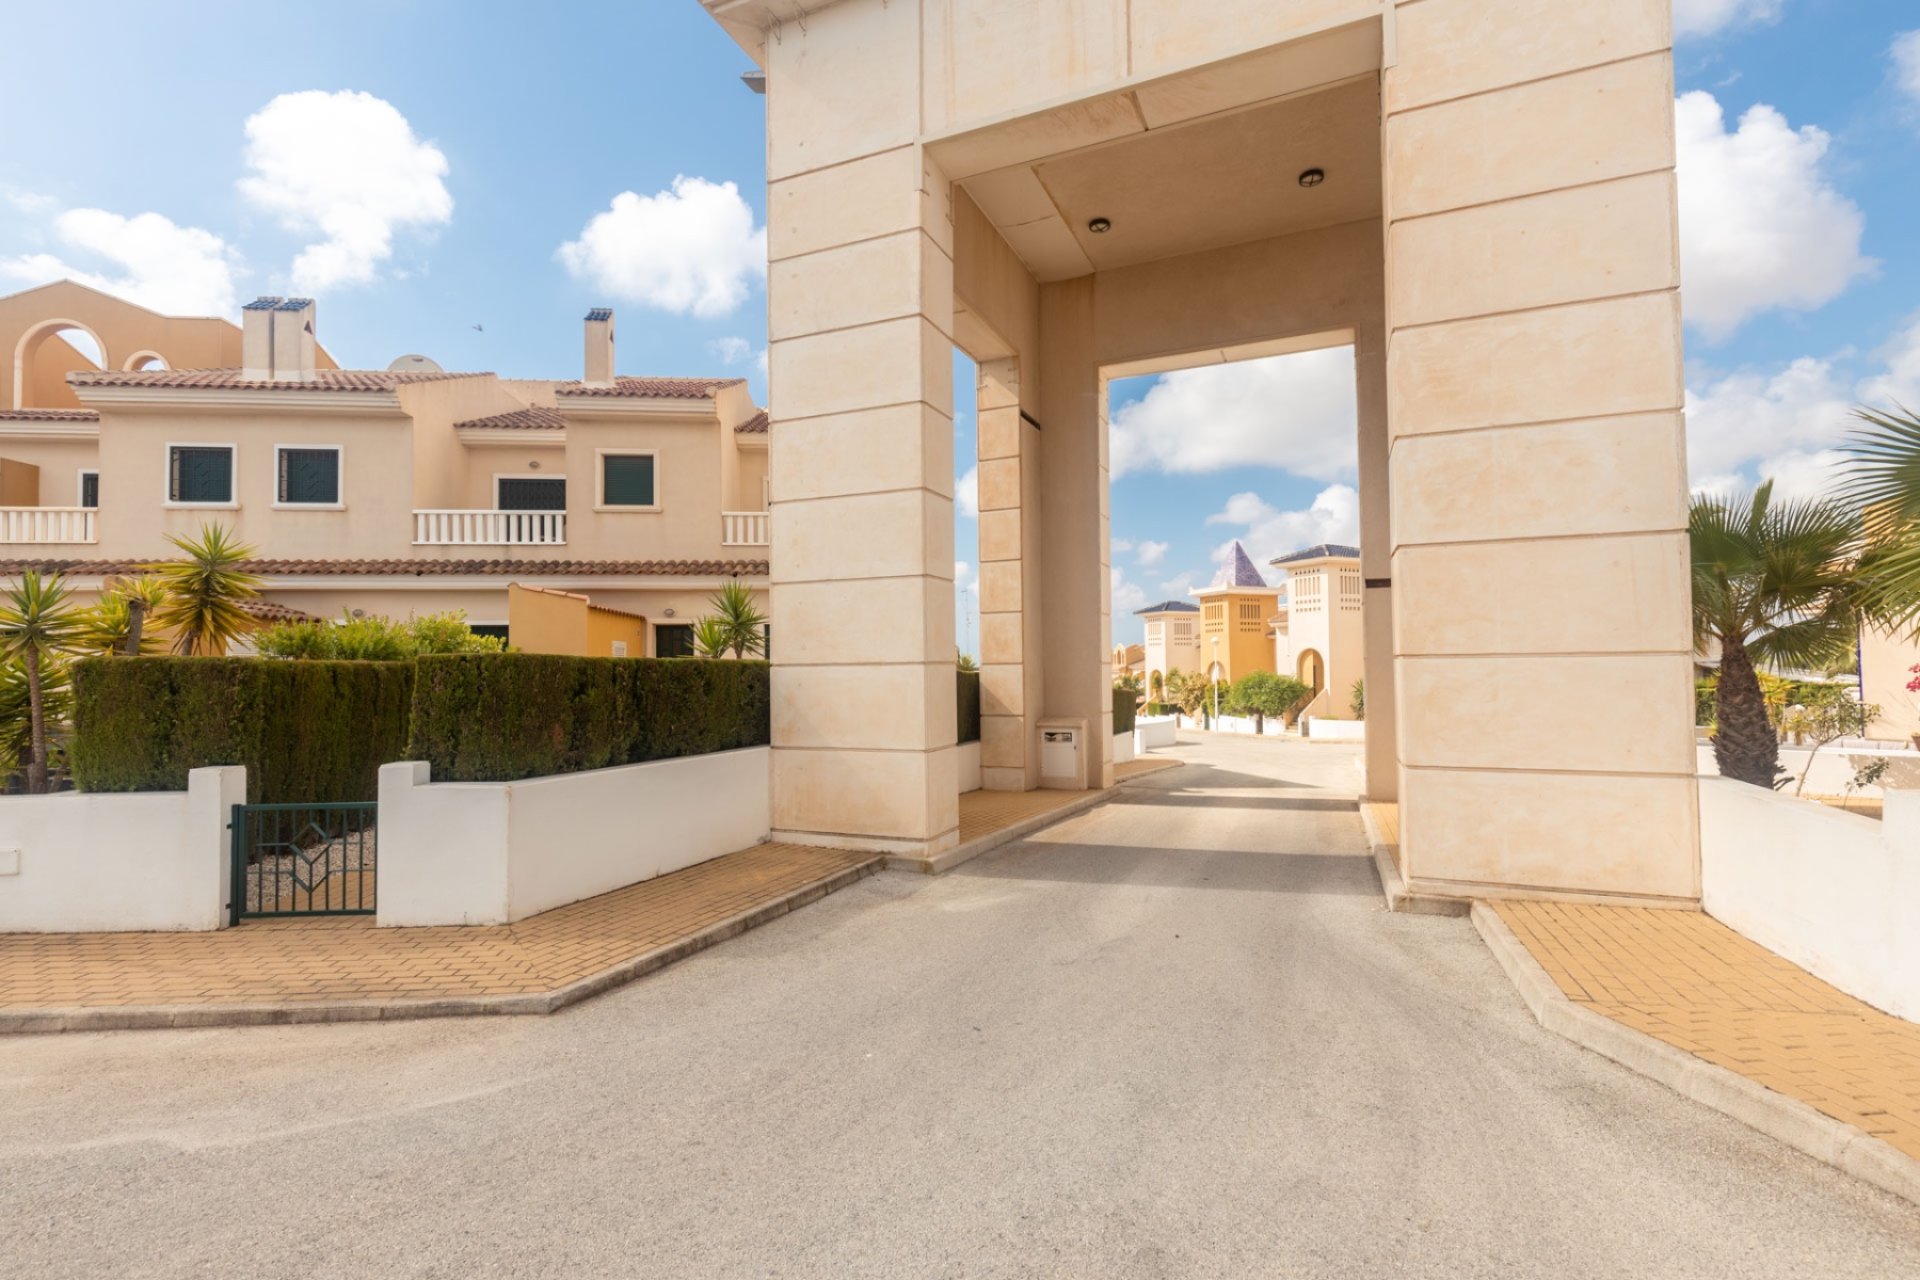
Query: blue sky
<point x="425" y="167"/>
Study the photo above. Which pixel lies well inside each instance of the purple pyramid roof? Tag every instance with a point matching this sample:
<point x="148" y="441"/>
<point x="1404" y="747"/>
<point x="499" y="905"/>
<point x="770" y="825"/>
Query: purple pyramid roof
<point x="1238" y="571"/>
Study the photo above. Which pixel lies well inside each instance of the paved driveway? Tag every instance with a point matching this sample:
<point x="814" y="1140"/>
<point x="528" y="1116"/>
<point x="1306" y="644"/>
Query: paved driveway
<point x="1176" y="1036"/>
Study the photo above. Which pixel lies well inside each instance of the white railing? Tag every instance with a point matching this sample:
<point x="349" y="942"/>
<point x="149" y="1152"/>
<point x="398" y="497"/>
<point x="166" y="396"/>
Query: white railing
<point x="489" y="528"/>
<point x="743" y="529"/>
<point x="46" y="524"/>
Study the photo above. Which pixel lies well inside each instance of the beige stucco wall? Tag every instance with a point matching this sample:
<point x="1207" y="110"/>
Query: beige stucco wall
<point x="1885" y="660"/>
<point x="59" y="462"/>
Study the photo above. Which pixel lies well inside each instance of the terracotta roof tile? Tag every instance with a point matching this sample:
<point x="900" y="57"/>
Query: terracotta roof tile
<point x="425" y="568"/>
<point x="230" y="379"/>
<point x="49" y="415"/>
<point x="274" y="611"/>
<point x="652" y="388"/>
<point x="754" y="426"/>
<point x="534" y="418"/>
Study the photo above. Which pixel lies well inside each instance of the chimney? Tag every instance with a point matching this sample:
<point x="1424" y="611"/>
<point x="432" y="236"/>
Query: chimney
<point x="599" y="347"/>
<point x="293" y="341"/>
<point x="256" y="339"/>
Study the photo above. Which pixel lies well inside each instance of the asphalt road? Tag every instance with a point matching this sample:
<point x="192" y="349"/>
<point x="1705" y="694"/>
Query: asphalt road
<point x="1175" y="1036"/>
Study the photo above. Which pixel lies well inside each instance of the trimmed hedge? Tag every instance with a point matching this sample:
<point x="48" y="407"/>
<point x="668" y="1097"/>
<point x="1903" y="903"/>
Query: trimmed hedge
<point x="1125" y="707"/>
<point x="968" y="701"/>
<point x="498" y="717"/>
<point x="307" y="731"/>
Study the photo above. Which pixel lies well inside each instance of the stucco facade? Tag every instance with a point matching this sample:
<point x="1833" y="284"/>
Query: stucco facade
<point x="1481" y="205"/>
<point x="390" y="492"/>
<point x="1320" y="636"/>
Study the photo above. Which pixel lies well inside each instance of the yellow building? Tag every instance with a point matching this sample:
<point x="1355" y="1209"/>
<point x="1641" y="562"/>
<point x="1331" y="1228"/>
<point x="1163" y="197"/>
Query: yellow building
<point x="543" y="620"/>
<point x="1234" y="613"/>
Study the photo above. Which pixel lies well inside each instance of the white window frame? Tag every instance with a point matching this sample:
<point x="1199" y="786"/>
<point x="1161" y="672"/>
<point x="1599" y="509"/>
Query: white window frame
<point x="339" y="479"/>
<point x="600" y="479"/>
<point x="498" y="476"/>
<point x="80" y="482"/>
<point x="233" y="476"/>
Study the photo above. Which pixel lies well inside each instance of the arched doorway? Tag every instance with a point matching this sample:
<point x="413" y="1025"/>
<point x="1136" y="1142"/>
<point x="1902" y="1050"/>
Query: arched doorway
<point x="1312" y="671"/>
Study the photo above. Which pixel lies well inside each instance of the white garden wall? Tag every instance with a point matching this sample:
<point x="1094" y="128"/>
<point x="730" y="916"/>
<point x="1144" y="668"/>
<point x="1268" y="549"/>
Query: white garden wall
<point x="969" y="768"/>
<point x="1836" y="893"/>
<point x="1327" y="729"/>
<point x="496" y="852"/>
<point x="99" y="862"/>
<point x="1122" y="748"/>
<point x="1155" y="731"/>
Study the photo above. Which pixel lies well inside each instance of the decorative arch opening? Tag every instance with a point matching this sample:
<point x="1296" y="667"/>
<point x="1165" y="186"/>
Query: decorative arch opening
<point x="1312" y="670"/>
<point x="142" y="360"/>
<point x="31" y="391"/>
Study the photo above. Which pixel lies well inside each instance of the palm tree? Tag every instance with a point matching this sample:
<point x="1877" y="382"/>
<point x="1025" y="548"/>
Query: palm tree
<point x="733" y="608"/>
<point x="122" y="620"/>
<point x="204" y="590"/>
<point x="1883" y="479"/>
<point x="964" y="661"/>
<point x="37" y="623"/>
<point x="1775" y="584"/>
<point x="711" y="638"/>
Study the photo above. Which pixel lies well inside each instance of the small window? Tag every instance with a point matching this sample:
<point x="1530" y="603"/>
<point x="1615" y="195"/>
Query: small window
<point x="309" y="477"/>
<point x="532" y="493"/>
<point x="200" y="473"/>
<point x="619" y="648"/>
<point x="90" y="489"/>
<point x="627" y="480"/>
<point x="672" y="640"/>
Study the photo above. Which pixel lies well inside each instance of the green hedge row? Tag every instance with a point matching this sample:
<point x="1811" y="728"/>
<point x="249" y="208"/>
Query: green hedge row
<point x="1126" y="706"/>
<point x="497" y="717"/>
<point x="968" y="700"/>
<point x="315" y="731"/>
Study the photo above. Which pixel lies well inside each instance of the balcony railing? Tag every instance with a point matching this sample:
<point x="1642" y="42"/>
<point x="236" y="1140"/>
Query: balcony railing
<point x="489" y="528"/>
<point x="743" y="528"/>
<point x="46" y="524"/>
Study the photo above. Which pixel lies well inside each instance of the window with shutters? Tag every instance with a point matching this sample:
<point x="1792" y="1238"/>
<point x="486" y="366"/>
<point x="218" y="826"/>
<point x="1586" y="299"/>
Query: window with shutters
<point x="629" y="481"/>
<point x="90" y="489"/>
<point x="672" y="640"/>
<point x="307" y="475"/>
<point x="530" y="493"/>
<point x="200" y="475"/>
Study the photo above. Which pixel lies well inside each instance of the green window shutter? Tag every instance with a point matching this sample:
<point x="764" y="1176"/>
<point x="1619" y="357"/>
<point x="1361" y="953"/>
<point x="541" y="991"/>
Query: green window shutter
<point x="671" y="640"/>
<point x="202" y="474"/>
<point x="627" y="480"/>
<point x="90" y="488"/>
<point x="310" y="475"/>
<point x="526" y="493"/>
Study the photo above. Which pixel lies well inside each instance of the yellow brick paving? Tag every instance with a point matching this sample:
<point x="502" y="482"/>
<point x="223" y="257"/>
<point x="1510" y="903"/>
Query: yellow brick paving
<point x="1685" y="978"/>
<point x="339" y="959"/>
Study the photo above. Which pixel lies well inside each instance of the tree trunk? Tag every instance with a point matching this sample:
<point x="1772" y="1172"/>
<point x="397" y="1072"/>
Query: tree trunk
<point x="37" y="716"/>
<point x="136" y="623"/>
<point x="1745" y="745"/>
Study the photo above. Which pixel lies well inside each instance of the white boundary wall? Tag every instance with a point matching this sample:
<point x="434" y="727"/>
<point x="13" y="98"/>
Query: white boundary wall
<point x="969" y="767"/>
<point x="496" y="852"/>
<point x="1327" y="729"/>
<point x="1155" y="731"/>
<point x="1122" y="748"/>
<point x="137" y="861"/>
<point x="1836" y="893"/>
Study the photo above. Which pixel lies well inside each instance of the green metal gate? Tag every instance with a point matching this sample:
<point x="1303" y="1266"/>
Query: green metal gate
<point x="303" y="860"/>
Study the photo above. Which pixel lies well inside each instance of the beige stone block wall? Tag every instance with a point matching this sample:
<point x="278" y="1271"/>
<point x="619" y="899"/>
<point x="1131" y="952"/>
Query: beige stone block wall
<point x="1537" y="465"/>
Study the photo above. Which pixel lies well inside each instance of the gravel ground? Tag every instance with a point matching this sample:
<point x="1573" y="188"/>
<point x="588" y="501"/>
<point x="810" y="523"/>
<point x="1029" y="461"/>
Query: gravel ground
<point x="323" y="867"/>
<point x="1173" y="1036"/>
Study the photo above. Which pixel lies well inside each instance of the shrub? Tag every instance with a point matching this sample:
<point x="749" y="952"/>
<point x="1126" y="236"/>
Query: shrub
<point x="494" y="718"/>
<point x="968" y="703"/>
<point x="306" y="731"/>
<point x="375" y="639"/>
<point x="1125" y="707"/>
<point x="1263" y="693"/>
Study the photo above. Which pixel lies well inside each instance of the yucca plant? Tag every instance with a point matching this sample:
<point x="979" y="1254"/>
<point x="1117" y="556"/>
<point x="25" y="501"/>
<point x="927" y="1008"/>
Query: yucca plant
<point x="37" y="625"/>
<point x="711" y="638"/>
<point x="204" y="587"/>
<point x="734" y="609"/>
<point x="126" y="607"/>
<point x="1777" y="584"/>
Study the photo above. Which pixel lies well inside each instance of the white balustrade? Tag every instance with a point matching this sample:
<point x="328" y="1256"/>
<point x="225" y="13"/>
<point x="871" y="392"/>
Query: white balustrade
<point x="489" y="528"/>
<point x="743" y="529"/>
<point x="46" y="524"/>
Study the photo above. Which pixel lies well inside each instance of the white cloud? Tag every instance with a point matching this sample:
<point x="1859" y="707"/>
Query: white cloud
<point x="1761" y="226"/>
<point x="1334" y="516"/>
<point x="1127" y="595"/>
<point x="963" y="574"/>
<point x="1295" y="411"/>
<point x="730" y="350"/>
<point x="347" y="166"/>
<point x="1785" y="422"/>
<point x="1121" y="544"/>
<point x="1150" y="553"/>
<point x="692" y="250"/>
<point x="966" y="493"/>
<point x="155" y="262"/>
<point x="31" y="202"/>
<point x="1707" y="17"/>
<point x="1906" y="63"/>
<point x="1180" y="585"/>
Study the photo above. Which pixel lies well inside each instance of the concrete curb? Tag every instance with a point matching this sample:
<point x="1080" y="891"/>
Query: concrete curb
<point x="1791" y="1121"/>
<point x="1394" y="889"/>
<point x="16" y="1021"/>
<point x="948" y="859"/>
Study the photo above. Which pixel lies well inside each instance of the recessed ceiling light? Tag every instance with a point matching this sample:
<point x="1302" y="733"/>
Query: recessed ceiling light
<point x="1100" y="226"/>
<point x="1312" y="177"/>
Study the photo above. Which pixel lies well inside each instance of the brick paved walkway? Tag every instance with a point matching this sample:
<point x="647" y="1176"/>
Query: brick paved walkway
<point x="1685" y="978"/>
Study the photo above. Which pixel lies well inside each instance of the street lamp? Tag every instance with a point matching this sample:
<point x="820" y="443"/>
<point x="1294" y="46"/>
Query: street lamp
<point x="1213" y="675"/>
